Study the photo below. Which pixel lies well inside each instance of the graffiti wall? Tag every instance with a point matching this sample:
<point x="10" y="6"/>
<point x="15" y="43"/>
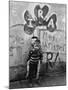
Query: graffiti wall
<point x="54" y="42"/>
<point x="25" y="18"/>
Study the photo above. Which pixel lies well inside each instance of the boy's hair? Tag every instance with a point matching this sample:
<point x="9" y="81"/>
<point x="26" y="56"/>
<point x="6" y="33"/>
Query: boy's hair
<point x="34" y="37"/>
<point x="37" y="40"/>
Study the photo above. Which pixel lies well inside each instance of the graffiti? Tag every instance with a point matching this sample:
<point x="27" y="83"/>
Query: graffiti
<point x="53" y="37"/>
<point x="50" y="56"/>
<point x="40" y="20"/>
<point x="53" y="42"/>
<point x="54" y="47"/>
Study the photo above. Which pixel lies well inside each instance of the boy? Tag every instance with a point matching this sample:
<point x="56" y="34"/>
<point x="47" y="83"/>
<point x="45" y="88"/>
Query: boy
<point x="34" y="59"/>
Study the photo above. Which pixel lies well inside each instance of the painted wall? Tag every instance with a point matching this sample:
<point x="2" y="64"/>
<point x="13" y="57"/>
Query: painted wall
<point x="54" y="42"/>
<point x="19" y="44"/>
<point x="19" y="41"/>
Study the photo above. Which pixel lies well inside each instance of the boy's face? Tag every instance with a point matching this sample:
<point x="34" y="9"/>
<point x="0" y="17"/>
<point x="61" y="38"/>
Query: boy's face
<point x="33" y="41"/>
<point x="36" y="45"/>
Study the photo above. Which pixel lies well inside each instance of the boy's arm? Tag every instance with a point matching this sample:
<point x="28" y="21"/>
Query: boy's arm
<point x="29" y="55"/>
<point x="41" y="55"/>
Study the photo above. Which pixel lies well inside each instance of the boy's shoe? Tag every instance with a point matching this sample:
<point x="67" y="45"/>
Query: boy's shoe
<point x="38" y="82"/>
<point x="31" y="85"/>
<point x="35" y="85"/>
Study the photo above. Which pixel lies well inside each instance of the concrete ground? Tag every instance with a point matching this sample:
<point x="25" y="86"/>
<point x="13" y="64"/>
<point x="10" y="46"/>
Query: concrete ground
<point x="50" y="79"/>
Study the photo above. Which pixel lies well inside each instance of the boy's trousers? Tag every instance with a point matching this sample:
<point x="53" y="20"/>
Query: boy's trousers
<point x="33" y="70"/>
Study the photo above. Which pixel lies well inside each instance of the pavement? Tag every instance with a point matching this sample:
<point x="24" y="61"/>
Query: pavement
<point x="50" y="79"/>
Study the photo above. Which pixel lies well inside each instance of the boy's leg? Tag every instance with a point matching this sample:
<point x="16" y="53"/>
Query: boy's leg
<point x="38" y="69"/>
<point x="31" y="71"/>
<point x="35" y="69"/>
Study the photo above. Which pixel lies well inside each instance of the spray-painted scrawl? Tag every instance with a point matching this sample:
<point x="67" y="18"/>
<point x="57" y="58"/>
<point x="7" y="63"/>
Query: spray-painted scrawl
<point x="37" y="44"/>
<point x="39" y="20"/>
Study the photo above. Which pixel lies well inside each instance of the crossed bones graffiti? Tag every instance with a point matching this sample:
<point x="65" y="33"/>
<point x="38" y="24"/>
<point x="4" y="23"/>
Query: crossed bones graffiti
<point x="39" y="20"/>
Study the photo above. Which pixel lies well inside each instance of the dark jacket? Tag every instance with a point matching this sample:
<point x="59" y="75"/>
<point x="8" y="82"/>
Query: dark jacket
<point x="35" y="55"/>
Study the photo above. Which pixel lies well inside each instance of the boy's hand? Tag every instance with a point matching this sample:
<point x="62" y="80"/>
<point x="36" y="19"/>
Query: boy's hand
<point x="27" y="69"/>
